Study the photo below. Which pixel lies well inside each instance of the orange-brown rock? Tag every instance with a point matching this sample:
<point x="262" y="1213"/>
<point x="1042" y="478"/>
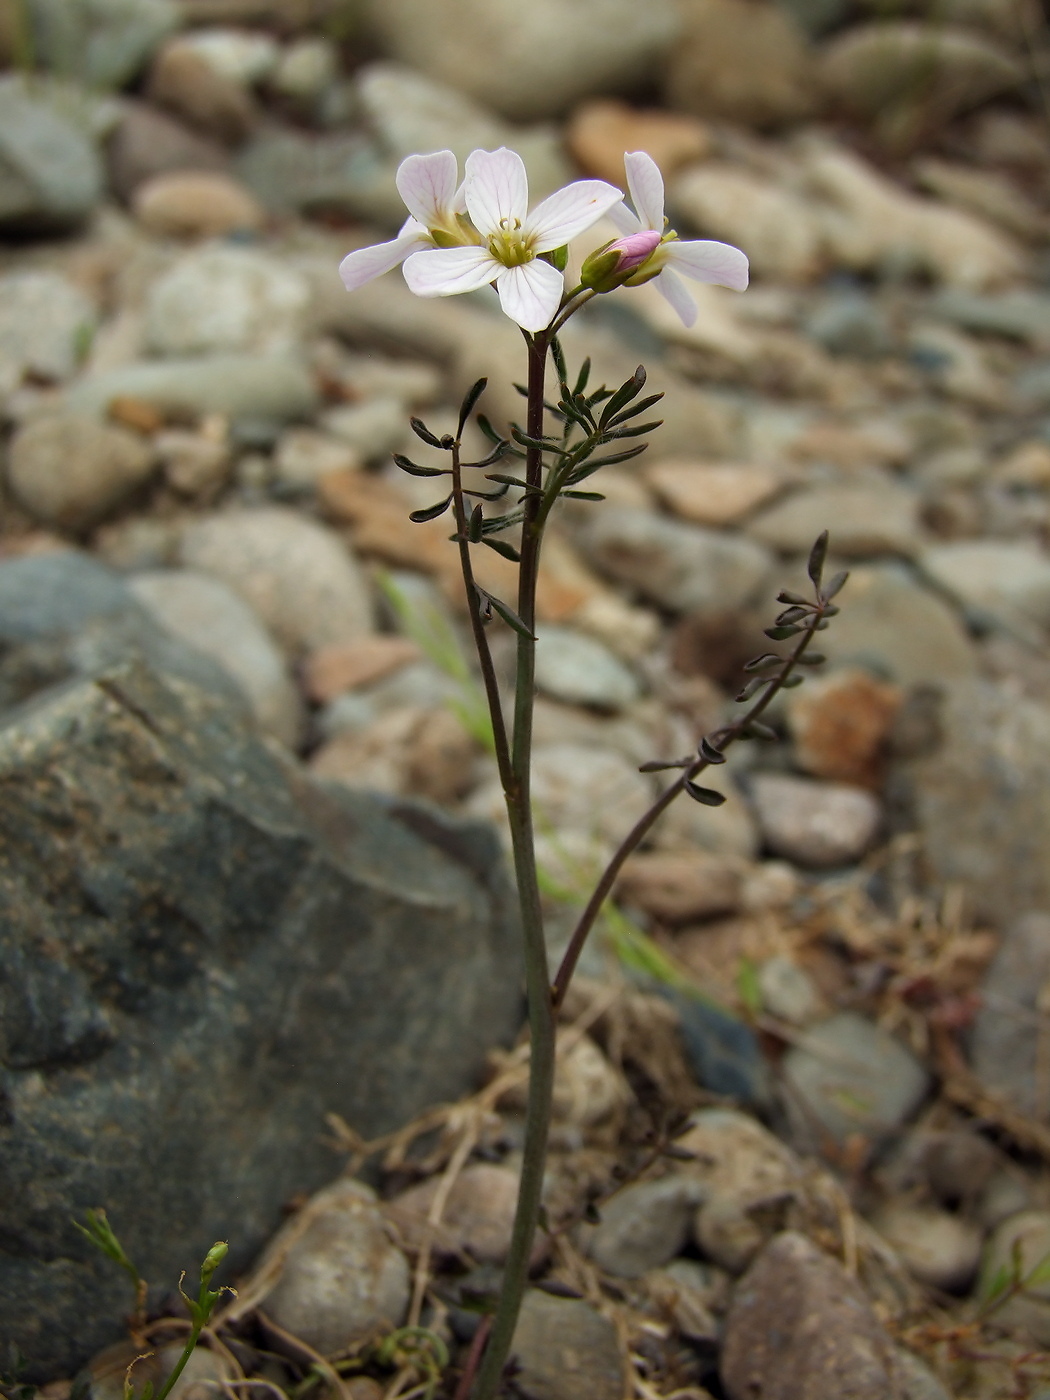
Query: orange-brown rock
<point x="600" y="131"/>
<point x="713" y="493"/>
<point x="196" y="204"/>
<point x="331" y="670"/>
<point x="679" y="886"/>
<point x="840" y="723"/>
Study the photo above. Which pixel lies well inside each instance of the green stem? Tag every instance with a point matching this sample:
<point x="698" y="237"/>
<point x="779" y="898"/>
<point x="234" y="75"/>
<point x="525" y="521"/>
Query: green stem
<point x="537" y="974"/>
<point x="180" y="1365"/>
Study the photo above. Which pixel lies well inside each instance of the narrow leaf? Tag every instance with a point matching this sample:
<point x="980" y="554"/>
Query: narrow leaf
<point x="422" y="431"/>
<point x="639" y="430"/>
<point x="431" y="512"/>
<point x="609" y="461"/>
<point x="477" y="517"/>
<point x="834" y="586"/>
<point x="509" y="616"/>
<point x="811" y="658"/>
<point x="558" y="356"/>
<point x="781" y="634"/>
<point x="470" y="398"/>
<point x="791" y="682"/>
<point x="582" y="377"/>
<point x="707" y="797"/>
<point x="500" y="450"/>
<point x="763" y="662"/>
<point x="660" y="765"/>
<point x="414" y="469"/>
<point x="584" y="495"/>
<point x="757" y="730"/>
<point x="817" y="555"/>
<point x="789" y="615"/>
<point x="752" y="688"/>
<point x="633" y="410"/>
<point x="786" y="596"/>
<point x="502" y="547"/>
<point x="628" y="390"/>
<point x="487" y="428"/>
<point x="710" y="754"/>
<point x="503" y="522"/>
<point x="537" y="444"/>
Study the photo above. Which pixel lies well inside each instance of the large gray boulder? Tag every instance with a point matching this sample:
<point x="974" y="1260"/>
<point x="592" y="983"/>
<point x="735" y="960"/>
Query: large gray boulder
<point x="202" y="952"/>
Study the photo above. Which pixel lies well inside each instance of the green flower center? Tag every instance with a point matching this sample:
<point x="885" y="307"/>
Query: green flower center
<point x="508" y="246"/>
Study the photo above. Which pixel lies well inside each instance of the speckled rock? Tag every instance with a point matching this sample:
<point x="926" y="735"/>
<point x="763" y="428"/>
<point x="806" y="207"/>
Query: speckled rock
<point x="50" y="172"/>
<point x="864" y="520"/>
<point x="581" y="671"/>
<point x="814" y="824"/>
<point x="1005" y="1039"/>
<point x="940" y="1249"/>
<point x="565" y="1350"/>
<point x="644" y="1226"/>
<point x="478" y="1214"/>
<point x="46" y="324"/>
<point x="70" y="471"/>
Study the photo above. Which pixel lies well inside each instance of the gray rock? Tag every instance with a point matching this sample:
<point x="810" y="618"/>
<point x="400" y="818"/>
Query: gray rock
<point x="644" y="1226"/>
<point x="70" y="471"/>
<point x="865" y="518"/>
<point x="1020" y="315"/>
<point x="941" y="1250"/>
<point x="850" y="323"/>
<point x="1027" y="1233"/>
<point x="581" y="671"/>
<point x="210" y="617"/>
<point x="46" y="324"/>
<point x="994" y="580"/>
<point x="684" y="568"/>
<point x="305" y="69"/>
<point x="146" y="142"/>
<point x="374" y="428"/>
<point x="1006" y="1037"/>
<point x="898" y="630"/>
<point x="478" y="1214"/>
<point x="916" y="1380"/>
<point x="737" y="1159"/>
<point x="852" y="1077"/>
<point x="723" y="1050"/>
<point x="341" y="1277"/>
<point x="565" y="1350"/>
<point x="788" y="991"/>
<point x="501" y="55"/>
<point x="344" y="173"/>
<point x="815" y="824"/>
<point x="220" y="299"/>
<point x="800" y="1328"/>
<point x="978" y="793"/>
<point x="295" y="574"/>
<point x="232" y="952"/>
<point x="276" y="388"/>
<point x="1032" y="385"/>
<point x="50" y="172"/>
<point x="728" y="1235"/>
<point x="102" y="43"/>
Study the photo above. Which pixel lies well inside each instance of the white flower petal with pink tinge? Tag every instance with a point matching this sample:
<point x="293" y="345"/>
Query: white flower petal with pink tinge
<point x="496" y="188"/>
<point x="708" y="261"/>
<point x="678" y="294"/>
<point x="428" y="184"/>
<point x="364" y="264"/>
<point x="445" y="272"/>
<point x="623" y="219"/>
<point x="530" y="293"/>
<point x="568" y="212"/>
<point x="647" y="188"/>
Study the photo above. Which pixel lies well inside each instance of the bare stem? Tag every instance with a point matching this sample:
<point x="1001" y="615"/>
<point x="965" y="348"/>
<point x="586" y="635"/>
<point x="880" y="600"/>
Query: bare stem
<point x="644" y="824"/>
<point x="537" y="974"/>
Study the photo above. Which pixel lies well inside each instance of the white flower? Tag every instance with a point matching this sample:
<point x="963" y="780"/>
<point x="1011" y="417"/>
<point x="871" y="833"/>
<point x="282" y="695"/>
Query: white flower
<point x="510" y="239"/>
<point x="430" y="187"/>
<point x="702" y="259"/>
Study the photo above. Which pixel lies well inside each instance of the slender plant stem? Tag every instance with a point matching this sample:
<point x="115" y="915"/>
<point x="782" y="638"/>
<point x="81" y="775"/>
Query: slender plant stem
<point x="187" y="1352"/>
<point x="644" y="824"/>
<point x="537" y="974"/>
<point x="477" y="625"/>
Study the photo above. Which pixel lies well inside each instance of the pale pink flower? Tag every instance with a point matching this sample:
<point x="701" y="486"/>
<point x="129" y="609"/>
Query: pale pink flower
<point x="510" y="239"/>
<point x="702" y="259"/>
<point x="430" y="187"/>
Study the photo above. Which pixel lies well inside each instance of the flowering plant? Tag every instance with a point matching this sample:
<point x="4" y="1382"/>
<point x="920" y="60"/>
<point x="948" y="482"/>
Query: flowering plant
<point x="462" y="237"/>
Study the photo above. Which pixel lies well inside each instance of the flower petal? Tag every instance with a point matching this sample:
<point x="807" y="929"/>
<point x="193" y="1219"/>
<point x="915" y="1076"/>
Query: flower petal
<point x="708" y="261"/>
<point x="531" y="293"/>
<point x="496" y="188"/>
<point x="444" y="272"/>
<point x="427" y="184"/>
<point x="678" y="294"/>
<point x="623" y="218"/>
<point x="647" y="188"/>
<point x="363" y="264"/>
<point x="568" y="212"/>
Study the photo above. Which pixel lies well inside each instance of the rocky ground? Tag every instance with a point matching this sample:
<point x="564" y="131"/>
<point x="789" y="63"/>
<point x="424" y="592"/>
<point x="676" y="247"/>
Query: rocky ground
<point x="802" y="1131"/>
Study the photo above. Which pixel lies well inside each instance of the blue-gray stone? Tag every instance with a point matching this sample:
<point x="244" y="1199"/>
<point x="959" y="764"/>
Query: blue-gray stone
<point x="723" y="1050"/>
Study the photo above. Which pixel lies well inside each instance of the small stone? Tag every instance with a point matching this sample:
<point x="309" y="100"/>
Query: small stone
<point x="959" y="1164"/>
<point x="745" y="63"/>
<point x="210" y="617"/>
<point x="565" y="1350"/>
<point x="70" y="471"/>
<point x="46" y="324"/>
<point x="581" y="671"/>
<point x="196" y="204"/>
<point x="407" y="750"/>
<point x="599" y="132"/>
<point x="195" y="464"/>
<point x="477" y="1218"/>
<point x="1028" y="1233"/>
<point x="734" y="1157"/>
<point x="853" y="1078"/>
<point x="713" y="493"/>
<point x="840" y="725"/>
<point x="897" y="630"/>
<point x="588" y="1090"/>
<point x="204" y="1370"/>
<point x="727" y="1234"/>
<point x="774" y="223"/>
<point x="146" y="144"/>
<point x="940" y="1250"/>
<point x="242" y="56"/>
<point x="814" y="824"/>
<point x="865" y="520"/>
<point x="644" y="1226"/>
<point x="916" y="1380"/>
<point x="800" y="1328"/>
<point x="304" y="455"/>
<point x="788" y="992"/>
<point x="332" y="670"/>
<point x="50" y="172"/>
<point x="296" y="575"/>
<point x="685" y="1290"/>
<point x="373" y="429"/>
<point x="273" y="388"/>
<point x="723" y="1050"/>
<point x="305" y="68"/>
<point x="679" y="887"/>
<point x="683" y="568"/>
<point x="183" y="80"/>
<point x="850" y="323"/>
<point x="226" y="298"/>
<point x="1007" y="580"/>
<point x="1005" y="1042"/>
<point x="342" y="1277"/>
<point x="101" y="43"/>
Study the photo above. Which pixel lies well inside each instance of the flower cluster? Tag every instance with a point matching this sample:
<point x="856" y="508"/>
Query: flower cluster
<point x="478" y="233"/>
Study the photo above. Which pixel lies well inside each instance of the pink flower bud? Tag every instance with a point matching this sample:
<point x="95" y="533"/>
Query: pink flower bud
<point x="634" y="249"/>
